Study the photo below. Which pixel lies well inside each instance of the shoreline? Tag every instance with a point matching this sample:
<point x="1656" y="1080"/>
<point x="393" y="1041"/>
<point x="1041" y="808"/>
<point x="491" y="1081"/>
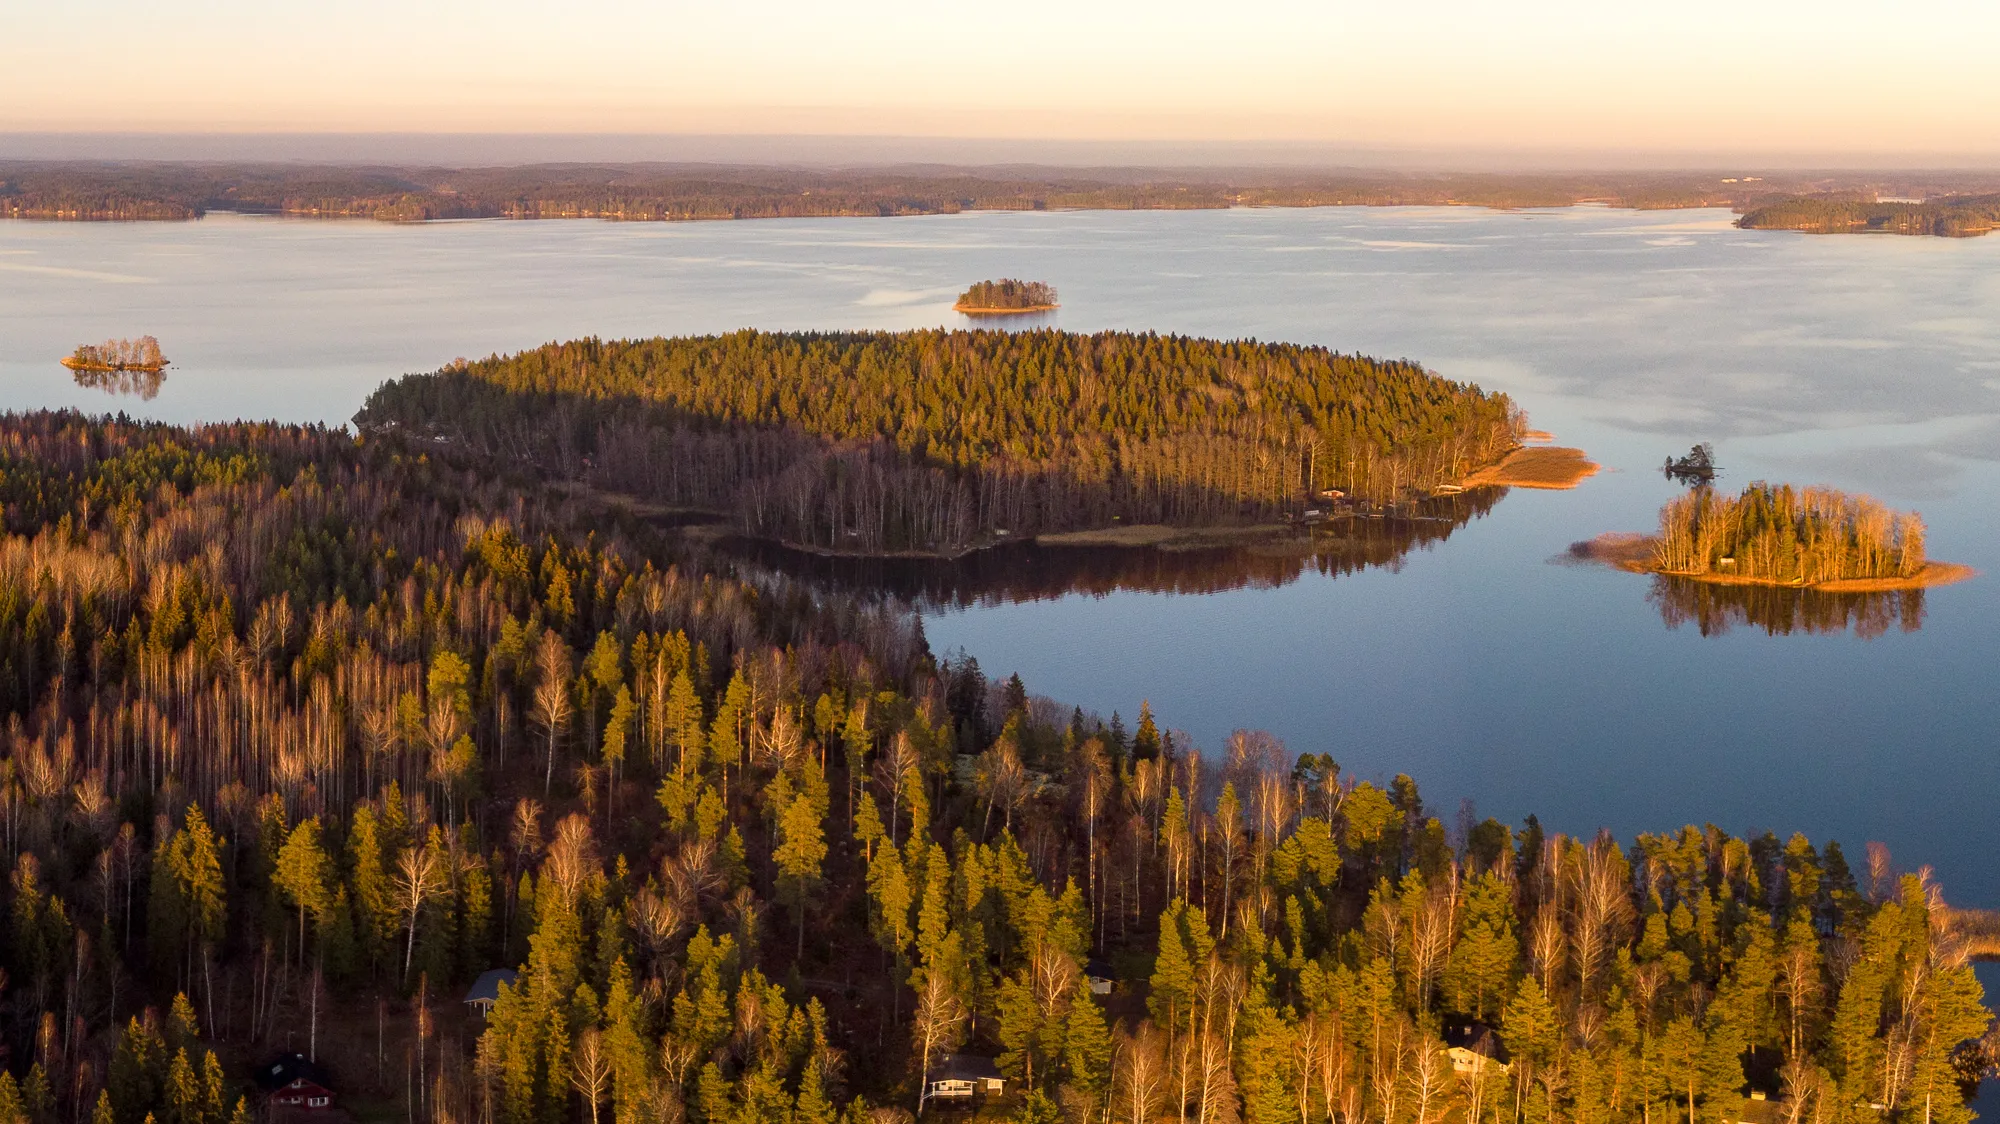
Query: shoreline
<point x="1633" y="554"/>
<point x="969" y="311"/>
<point x="71" y="362"/>
<point x="1540" y="467"/>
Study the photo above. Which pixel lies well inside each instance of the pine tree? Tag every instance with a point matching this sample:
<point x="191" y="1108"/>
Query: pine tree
<point x="304" y="873"/>
<point x="800" y="851"/>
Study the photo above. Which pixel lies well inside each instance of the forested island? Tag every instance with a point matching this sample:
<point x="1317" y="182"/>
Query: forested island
<point x="142" y="354"/>
<point x="1006" y="297"/>
<point x="937" y="442"/>
<point x="1778" y="535"/>
<point x="305" y="732"/>
<point x="139" y="191"/>
<point x="1950" y="217"/>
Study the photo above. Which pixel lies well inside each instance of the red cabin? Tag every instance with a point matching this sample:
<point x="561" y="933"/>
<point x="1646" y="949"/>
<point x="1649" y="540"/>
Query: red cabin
<point x="292" y="1083"/>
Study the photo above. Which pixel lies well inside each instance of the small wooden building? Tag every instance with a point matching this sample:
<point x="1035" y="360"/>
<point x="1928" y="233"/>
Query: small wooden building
<point x="294" y="1084"/>
<point x="1100" y="977"/>
<point x="486" y="989"/>
<point x="1474" y="1048"/>
<point x="959" y="1076"/>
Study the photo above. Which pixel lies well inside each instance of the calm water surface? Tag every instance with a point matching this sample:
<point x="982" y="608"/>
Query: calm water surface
<point x="1473" y="663"/>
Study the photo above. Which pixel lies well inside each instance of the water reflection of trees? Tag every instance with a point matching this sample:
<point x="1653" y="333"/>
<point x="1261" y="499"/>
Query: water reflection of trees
<point x="145" y="384"/>
<point x="1781" y="611"/>
<point x="1027" y="571"/>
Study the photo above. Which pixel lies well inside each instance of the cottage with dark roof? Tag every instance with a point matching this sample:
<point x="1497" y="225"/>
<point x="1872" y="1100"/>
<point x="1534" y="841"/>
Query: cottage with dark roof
<point x="486" y="989"/>
<point x="294" y="1083"/>
<point x="1474" y="1048"/>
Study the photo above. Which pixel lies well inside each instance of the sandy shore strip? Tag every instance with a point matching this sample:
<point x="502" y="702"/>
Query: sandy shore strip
<point x="1537" y="467"/>
<point x="1160" y="534"/>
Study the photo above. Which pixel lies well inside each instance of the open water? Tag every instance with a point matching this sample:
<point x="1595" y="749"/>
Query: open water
<point x="1473" y="662"/>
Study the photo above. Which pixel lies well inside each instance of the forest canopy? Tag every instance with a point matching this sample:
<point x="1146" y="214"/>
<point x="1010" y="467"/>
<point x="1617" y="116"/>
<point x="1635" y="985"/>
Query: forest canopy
<point x="303" y="732"/>
<point x="936" y="441"/>
<point x="1964" y="217"/>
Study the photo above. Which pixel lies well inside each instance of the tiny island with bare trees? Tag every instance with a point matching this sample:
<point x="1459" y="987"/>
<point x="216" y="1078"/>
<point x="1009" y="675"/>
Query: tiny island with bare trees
<point x="142" y="354"/>
<point x="1778" y="535"/>
<point x="1006" y="297"/>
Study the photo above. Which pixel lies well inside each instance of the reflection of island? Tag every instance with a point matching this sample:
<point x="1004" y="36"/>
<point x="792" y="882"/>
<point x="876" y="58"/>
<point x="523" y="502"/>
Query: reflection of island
<point x="129" y="380"/>
<point x="1006" y="298"/>
<point x="1780" y="611"/>
<point x="1029" y="571"/>
<point x="1780" y="536"/>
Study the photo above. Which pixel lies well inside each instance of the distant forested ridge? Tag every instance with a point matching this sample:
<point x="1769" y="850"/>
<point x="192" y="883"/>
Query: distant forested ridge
<point x="83" y="190"/>
<point x="1950" y="217"/>
<point x="1007" y="296"/>
<point x="301" y="733"/>
<point x="935" y="441"/>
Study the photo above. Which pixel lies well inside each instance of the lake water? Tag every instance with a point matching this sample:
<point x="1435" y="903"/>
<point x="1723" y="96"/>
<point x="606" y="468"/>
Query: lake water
<point x="1473" y="662"/>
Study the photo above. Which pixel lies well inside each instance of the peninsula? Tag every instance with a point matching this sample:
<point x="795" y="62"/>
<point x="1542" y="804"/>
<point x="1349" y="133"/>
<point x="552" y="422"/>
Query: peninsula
<point x="943" y="442"/>
<point x="1777" y="535"/>
<point x="1948" y="217"/>
<point x="1534" y="466"/>
<point x="1006" y="298"/>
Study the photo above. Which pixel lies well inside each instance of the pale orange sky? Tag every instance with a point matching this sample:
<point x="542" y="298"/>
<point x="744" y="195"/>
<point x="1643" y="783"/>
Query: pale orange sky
<point x="1827" y="77"/>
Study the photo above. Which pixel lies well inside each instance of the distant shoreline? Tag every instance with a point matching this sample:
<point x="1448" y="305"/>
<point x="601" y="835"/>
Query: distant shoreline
<point x="98" y="190"/>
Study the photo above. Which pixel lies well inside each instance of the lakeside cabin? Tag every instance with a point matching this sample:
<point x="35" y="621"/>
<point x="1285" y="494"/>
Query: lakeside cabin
<point x="1474" y="1049"/>
<point x="293" y="1084"/>
<point x="1100" y="977"/>
<point x="485" y="990"/>
<point x="960" y="1076"/>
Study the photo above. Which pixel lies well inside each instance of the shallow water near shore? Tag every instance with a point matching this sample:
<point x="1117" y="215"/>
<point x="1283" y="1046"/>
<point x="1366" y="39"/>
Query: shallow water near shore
<point x="1471" y="660"/>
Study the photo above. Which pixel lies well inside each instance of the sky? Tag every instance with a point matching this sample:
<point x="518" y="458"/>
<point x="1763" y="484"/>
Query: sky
<point x="1745" y="76"/>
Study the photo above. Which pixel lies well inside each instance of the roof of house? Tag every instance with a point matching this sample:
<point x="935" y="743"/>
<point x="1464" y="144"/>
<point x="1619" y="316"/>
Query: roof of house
<point x="1099" y="969"/>
<point x="1476" y="1037"/>
<point x="287" y="1068"/>
<point x="966" y="1067"/>
<point x="487" y="986"/>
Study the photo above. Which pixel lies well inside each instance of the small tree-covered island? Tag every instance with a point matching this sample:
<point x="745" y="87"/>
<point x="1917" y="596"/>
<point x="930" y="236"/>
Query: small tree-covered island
<point x="939" y="442"/>
<point x="142" y="354"/>
<point x="1815" y="538"/>
<point x="339" y="772"/>
<point x="991" y="298"/>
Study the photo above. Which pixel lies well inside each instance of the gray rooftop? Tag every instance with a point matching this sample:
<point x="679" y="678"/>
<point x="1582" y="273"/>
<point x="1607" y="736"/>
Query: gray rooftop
<point x="487" y="986"/>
